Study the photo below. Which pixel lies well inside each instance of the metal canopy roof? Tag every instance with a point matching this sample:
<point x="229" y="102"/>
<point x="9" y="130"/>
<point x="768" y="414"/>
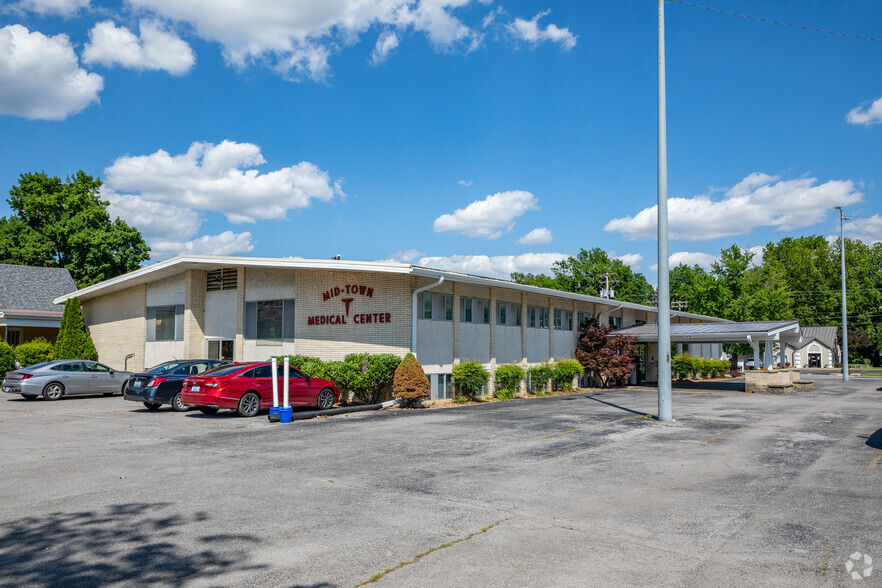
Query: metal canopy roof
<point x="719" y="332"/>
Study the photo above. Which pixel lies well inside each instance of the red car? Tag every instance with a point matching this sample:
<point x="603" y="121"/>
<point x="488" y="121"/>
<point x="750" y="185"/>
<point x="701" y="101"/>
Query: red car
<point x="248" y="387"/>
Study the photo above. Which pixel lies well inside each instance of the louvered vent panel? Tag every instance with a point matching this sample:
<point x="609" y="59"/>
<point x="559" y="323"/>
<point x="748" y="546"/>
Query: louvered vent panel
<point x="222" y="279"/>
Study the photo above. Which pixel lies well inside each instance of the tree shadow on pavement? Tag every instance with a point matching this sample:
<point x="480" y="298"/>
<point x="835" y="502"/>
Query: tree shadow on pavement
<point x="875" y="440"/>
<point x="134" y="543"/>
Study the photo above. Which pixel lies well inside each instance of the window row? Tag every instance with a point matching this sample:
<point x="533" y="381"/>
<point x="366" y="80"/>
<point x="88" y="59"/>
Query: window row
<point x="265" y="320"/>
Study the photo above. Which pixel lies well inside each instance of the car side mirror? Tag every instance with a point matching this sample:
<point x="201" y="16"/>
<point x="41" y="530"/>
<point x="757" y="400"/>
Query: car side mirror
<point x="112" y="372"/>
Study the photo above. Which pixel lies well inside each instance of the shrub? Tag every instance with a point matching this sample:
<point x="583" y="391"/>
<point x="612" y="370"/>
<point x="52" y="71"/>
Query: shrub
<point x="701" y="367"/>
<point x="469" y="378"/>
<point x="508" y="379"/>
<point x="734" y="373"/>
<point x="564" y="371"/>
<point x="366" y="375"/>
<point x="74" y="341"/>
<point x="409" y="381"/>
<point x="505" y="394"/>
<point x="34" y="351"/>
<point x="681" y="366"/>
<point x="7" y="358"/>
<point x="539" y="376"/>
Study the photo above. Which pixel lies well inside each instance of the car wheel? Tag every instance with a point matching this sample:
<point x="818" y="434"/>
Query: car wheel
<point x="325" y="399"/>
<point x="249" y="405"/>
<point x="152" y="405"/>
<point x="208" y="409"/>
<point x="29" y="396"/>
<point x="53" y="391"/>
<point x="177" y="404"/>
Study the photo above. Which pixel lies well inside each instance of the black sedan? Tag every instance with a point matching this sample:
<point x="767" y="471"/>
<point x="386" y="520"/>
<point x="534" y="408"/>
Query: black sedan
<point x="161" y="384"/>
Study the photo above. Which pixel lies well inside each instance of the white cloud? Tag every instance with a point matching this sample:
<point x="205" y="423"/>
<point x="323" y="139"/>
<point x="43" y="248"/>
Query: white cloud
<point x="51" y="7"/>
<point x="868" y="230"/>
<point x="226" y="243"/>
<point x="297" y="38"/>
<point x="759" y="200"/>
<point x="386" y="44"/>
<point x="222" y="178"/>
<point x="40" y="77"/>
<point x="536" y="237"/>
<point x="632" y="260"/>
<point x="691" y="258"/>
<point x="531" y="32"/>
<point x="157" y="49"/>
<point x="405" y="256"/>
<point x="489" y="217"/>
<point x="866" y="115"/>
<point x="500" y="266"/>
<point x="466" y="183"/>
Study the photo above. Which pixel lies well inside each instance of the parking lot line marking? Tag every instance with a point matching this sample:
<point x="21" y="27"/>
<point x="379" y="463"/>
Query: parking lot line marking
<point x="875" y="461"/>
<point x="590" y="427"/>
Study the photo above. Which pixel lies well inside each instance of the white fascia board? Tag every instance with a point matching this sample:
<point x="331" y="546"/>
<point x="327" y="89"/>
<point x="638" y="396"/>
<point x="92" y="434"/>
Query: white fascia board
<point x="497" y="283"/>
<point x="183" y="262"/>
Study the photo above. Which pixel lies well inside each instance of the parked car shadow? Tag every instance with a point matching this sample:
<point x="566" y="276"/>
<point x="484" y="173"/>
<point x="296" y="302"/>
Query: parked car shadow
<point x="134" y="543"/>
<point x="875" y="440"/>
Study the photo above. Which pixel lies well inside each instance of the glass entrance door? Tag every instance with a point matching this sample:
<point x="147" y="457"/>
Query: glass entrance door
<point x="222" y="349"/>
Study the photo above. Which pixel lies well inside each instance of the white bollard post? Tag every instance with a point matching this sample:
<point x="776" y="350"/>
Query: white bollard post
<point x="275" y="383"/>
<point x="285" y="376"/>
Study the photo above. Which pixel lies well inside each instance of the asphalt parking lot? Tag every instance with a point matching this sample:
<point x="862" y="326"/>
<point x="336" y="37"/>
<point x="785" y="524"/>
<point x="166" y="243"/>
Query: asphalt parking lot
<point x="557" y="491"/>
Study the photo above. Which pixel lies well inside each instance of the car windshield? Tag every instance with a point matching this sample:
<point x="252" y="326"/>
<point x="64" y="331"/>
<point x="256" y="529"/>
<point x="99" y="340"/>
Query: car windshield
<point x="225" y="370"/>
<point x="164" y="368"/>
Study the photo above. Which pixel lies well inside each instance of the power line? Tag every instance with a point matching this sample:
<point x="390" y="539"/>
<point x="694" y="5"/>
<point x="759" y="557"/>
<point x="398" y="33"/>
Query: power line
<point x="777" y="22"/>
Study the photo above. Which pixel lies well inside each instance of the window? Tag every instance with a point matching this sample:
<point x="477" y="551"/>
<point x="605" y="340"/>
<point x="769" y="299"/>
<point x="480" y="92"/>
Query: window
<point x="443" y="386"/>
<point x="474" y="310"/>
<point x="563" y="320"/>
<point x="13" y="337"/>
<point x="165" y="323"/>
<point x="437" y="307"/>
<point x="615" y="322"/>
<point x="538" y="317"/>
<point x="584" y="317"/>
<point x="91" y="366"/>
<point x="508" y="314"/>
<point x="271" y="321"/>
<point x="222" y="279"/>
<point x="264" y="371"/>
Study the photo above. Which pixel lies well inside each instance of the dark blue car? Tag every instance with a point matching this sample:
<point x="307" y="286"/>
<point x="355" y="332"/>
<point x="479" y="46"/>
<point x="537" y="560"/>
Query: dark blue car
<point x="162" y="384"/>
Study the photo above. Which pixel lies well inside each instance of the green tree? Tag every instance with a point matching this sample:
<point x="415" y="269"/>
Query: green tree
<point x="585" y="274"/>
<point x="66" y="224"/>
<point x="606" y="358"/>
<point x="74" y="341"/>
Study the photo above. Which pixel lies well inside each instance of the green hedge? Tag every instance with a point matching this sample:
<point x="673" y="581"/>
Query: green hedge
<point x="539" y="376"/>
<point x="34" y="351"/>
<point x="564" y="371"/>
<point x="364" y="374"/>
<point x="7" y="358"/>
<point x="508" y="380"/>
<point x="469" y="378"/>
<point x="686" y="366"/>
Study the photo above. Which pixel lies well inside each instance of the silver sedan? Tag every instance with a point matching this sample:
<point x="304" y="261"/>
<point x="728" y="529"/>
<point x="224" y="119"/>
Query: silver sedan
<point x="54" y="379"/>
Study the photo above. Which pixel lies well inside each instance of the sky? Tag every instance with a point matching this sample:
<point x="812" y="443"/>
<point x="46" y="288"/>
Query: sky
<point x="485" y="136"/>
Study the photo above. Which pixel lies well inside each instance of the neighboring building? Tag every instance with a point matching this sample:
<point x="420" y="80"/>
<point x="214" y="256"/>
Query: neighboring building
<point x="27" y="310"/>
<point x="817" y="348"/>
<point x="248" y="309"/>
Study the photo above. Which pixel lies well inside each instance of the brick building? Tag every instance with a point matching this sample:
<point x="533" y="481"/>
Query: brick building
<point x="248" y="309"/>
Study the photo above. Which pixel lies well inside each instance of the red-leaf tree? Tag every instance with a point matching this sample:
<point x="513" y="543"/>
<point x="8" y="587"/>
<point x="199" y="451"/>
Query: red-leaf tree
<point x="608" y="357"/>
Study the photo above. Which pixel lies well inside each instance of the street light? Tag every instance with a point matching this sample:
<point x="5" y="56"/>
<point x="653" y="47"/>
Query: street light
<point x="842" y="219"/>
<point x="664" y="292"/>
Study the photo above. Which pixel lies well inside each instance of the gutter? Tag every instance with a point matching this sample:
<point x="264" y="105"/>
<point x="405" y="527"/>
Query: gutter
<point x="413" y="318"/>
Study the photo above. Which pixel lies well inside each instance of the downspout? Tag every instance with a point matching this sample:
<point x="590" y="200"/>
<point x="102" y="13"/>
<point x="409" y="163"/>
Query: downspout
<point x="610" y="311"/>
<point x="413" y="308"/>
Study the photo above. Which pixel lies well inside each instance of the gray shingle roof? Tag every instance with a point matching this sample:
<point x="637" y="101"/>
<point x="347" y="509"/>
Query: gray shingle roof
<point x="24" y="287"/>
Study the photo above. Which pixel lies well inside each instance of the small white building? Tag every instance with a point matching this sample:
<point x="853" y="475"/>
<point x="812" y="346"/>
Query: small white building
<point x="248" y="309"/>
<point x="816" y="349"/>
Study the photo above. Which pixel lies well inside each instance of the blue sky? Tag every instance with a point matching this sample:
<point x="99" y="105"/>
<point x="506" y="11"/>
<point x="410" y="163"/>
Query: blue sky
<point x="486" y="136"/>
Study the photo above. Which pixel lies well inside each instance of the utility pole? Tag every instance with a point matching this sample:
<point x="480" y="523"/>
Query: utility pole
<point x="664" y="294"/>
<point x="607" y="293"/>
<point x="842" y="219"/>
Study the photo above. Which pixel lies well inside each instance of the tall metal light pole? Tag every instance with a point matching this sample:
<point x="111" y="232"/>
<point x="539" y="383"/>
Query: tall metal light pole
<point x="842" y="219"/>
<point x="664" y="293"/>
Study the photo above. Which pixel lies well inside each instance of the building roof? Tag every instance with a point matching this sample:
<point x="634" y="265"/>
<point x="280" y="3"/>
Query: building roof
<point x="823" y="335"/>
<point x="170" y="267"/>
<point x="718" y="332"/>
<point x="27" y="288"/>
